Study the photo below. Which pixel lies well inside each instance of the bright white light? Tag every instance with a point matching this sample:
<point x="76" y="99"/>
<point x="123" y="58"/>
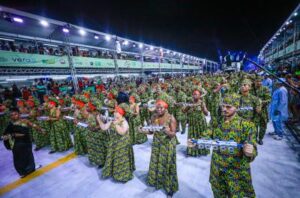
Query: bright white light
<point x="82" y="32"/>
<point x="107" y="37"/>
<point x="168" y="51"/>
<point x="125" y="42"/>
<point x="17" y="19"/>
<point x="160" y="49"/>
<point x="141" y="45"/>
<point x="295" y="14"/>
<point x="44" y="23"/>
<point x="287" y="23"/>
<point x="65" y="30"/>
<point x="5" y="39"/>
<point x="96" y="37"/>
<point x="290" y="21"/>
<point x="133" y="45"/>
<point x="16" y="79"/>
<point x="50" y="45"/>
<point x="151" y="48"/>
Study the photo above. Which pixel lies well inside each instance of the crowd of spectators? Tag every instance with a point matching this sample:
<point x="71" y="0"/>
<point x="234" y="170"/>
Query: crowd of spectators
<point x="59" y="50"/>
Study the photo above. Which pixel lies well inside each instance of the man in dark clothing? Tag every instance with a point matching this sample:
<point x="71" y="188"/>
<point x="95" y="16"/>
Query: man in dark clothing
<point x="17" y="138"/>
<point x="122" y="97"/>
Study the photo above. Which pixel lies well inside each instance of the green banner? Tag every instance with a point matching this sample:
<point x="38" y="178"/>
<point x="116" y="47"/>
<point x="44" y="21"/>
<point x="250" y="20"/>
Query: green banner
<point x="16" y="59"/>
<point x="129" y="64"/>
<point x="92" y="62"/>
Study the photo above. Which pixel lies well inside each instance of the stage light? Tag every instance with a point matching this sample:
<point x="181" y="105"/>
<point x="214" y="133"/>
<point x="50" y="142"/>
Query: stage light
<point x="44" y="23"/>
<point x="107" y="37"/>
<point x="65" y="30"/>
<point x="141" y="45"/>
<point x="82" y="32"/>
<point x="96" y="37"/>
<point x="295" y="14"/>
<point x="17" y="19"/>
<point x="168" y="51"/>
<point x="125" y="42"/>
<point x="290" y="21"/>
<point x="133" y="45"/>
<point x="161" y="50"/>
<point x="151" y="48"/>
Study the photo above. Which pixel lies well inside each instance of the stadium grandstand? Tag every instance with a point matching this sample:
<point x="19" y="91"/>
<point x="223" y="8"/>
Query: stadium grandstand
<point x="34" y="46"/>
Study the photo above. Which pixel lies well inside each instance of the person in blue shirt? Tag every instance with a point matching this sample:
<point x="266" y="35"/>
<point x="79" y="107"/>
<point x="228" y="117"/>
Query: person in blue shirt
<point x="267" y="82"/>
<point x="279" y="109"/>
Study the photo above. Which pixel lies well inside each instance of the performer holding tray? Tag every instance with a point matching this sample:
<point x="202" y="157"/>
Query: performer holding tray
<point x="162" y="169"/>
<point x="119" y="162"/>
<point x="230" y="173"/>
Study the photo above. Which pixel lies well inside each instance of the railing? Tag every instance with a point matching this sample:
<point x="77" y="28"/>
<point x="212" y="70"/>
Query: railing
<point x="10" y="59"/>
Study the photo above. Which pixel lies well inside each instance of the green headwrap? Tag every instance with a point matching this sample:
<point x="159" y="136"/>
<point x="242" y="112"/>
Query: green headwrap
<point x="232" y="99"/>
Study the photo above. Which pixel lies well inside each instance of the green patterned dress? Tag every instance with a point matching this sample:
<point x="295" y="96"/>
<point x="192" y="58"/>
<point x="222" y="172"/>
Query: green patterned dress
<point x="230" y="173"/>
<point x="96" y="141"/>
<point x="162" y="170"/>
<point x="134" y="122"/>
<point x="197" y="126"/>
<point x="179" y="114"/>
<point x="119" y="162"/>
<point x="145" y="114"/>
<point x="263" y="93"/>
<point x="213" y="105"/>
<point x="40" y="140"/>
<point x="45" y="124"/>
<point x="248" y="106"/>
<point x="80" y="145"/>
<point x="60" y="138"/>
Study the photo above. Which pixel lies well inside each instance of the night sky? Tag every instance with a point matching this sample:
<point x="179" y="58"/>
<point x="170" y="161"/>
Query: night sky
<point x="195" y="27"/>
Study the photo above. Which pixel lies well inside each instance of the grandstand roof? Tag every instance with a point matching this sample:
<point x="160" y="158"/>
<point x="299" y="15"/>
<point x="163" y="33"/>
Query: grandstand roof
<point x="31" y="26"/>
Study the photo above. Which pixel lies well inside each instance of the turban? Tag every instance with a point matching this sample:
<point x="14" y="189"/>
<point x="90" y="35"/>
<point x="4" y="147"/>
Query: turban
<point x="247" y="82"/>
<point x="87" y="95"/>
<point x="111" y="96"/>
<point x="20" y="103"/>
<point x="120" y="110"/>
<point x="232" y="99"/>
<point x="91" y="106"/>
<point x="80" y="104"/>
<point x="52" y="103"/>
<point x="162" y="103"/>
<point x="30" y="103"/>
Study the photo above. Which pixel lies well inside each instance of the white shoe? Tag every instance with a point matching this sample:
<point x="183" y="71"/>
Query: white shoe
<point x="277" y="137"/>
